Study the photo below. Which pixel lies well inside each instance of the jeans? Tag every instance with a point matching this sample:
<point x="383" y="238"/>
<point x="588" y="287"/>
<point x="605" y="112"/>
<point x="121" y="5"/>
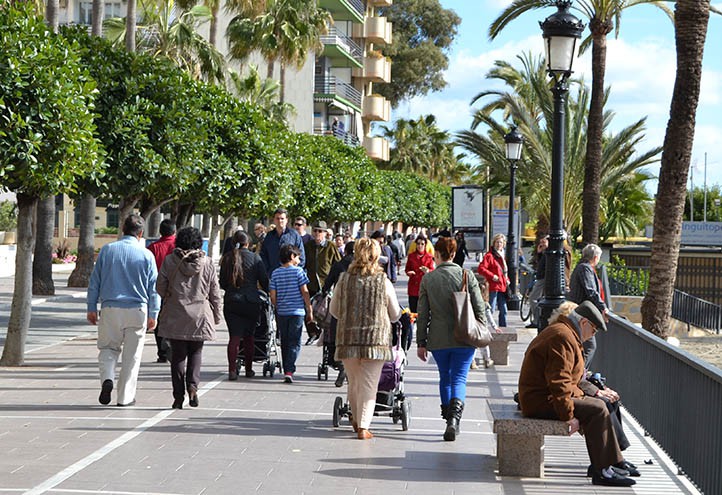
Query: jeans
<point x="498" y="299"/>
<point x="185" y="365"/>
<point x="453" y="364"/>
<point x="290" y="328"/>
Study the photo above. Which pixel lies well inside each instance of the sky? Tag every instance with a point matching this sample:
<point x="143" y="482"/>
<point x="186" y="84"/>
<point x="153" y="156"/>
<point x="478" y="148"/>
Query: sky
<point x="640" y="70"/>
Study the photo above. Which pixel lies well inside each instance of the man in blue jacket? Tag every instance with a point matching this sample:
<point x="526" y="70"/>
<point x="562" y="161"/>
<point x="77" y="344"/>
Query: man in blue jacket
<point x="123" y="281"/>
<point x="280" y="236"/>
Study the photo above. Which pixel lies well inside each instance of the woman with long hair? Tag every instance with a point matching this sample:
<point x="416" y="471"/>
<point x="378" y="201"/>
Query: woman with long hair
<point x="242" y="273"/>
<point x="365" y="305"/>
<point x="191" y="310"/>
<point x="435" y="331"/>
<point x="493" y="268"/>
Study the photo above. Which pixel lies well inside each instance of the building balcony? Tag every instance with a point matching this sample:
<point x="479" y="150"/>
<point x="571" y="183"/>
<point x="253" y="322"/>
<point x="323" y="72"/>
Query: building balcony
<point x="345" y="10"/>
<point x="380" y="3"/>
<point x="376" y="30"/>
<point x="376" y="107"/>
<point x="329" y="89"/>
<point x="374" y="70"/>
<point x="377" y="148"/>
<point x="341" y="50"/>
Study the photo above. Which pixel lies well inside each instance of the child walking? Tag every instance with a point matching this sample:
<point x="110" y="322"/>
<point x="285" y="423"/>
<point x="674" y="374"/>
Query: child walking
<point x="483" y="352"/>
<point x="289" y="295"/>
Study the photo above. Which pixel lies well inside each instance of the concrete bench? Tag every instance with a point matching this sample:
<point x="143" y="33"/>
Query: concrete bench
<point x="520" y="440"/>
<point x="499" y="346"/>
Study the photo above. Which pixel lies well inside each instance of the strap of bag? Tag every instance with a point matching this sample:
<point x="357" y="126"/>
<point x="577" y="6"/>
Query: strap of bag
<point x="464" y="282"/>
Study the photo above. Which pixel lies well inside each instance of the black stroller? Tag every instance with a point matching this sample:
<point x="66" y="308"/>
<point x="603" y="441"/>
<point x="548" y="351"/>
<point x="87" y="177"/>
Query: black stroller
<point x="390" y="398"/>
<point x="265" y="341"/>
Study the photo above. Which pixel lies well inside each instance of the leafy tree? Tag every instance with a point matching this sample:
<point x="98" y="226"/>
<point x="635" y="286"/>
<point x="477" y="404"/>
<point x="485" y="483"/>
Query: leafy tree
<point x="47" y="139"/>
<point x="286" y="31"/>
<point x="262" y="93"/>
<point x="626" y="207"/>
<point x="691" y="19"/>
<point x="8" y="215"/>
<point x="528" y="103"/>
<point x="714" y="211"/>
<point x="604" y="16"/>
<point x="423" y="34"/>
<point x="169" y="32"/>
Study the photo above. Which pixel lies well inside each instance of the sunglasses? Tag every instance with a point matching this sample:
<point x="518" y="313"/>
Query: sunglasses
<point x="298" y="224"/>
<point x="318" y="230"/>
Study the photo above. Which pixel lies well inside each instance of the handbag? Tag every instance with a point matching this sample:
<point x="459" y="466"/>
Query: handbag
<point x="467" y="329"/>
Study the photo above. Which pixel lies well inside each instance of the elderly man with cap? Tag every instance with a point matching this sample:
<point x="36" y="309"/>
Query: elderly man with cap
<point x="549" y="380"/>
<point x="321" y="254"/>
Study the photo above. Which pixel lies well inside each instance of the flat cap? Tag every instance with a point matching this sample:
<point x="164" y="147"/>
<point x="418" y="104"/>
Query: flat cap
<point x="589" y="311"/>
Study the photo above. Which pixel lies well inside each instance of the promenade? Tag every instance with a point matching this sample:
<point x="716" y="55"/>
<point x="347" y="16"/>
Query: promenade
<point x="257" y="435"/>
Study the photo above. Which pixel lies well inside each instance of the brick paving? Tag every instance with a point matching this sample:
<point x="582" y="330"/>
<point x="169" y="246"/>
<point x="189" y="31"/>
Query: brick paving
<point x="257" y="435"/>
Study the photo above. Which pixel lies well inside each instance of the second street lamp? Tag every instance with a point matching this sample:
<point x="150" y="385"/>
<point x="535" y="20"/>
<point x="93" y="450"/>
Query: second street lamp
<point x="513" y="142"/>
<point x="561" y="32"/>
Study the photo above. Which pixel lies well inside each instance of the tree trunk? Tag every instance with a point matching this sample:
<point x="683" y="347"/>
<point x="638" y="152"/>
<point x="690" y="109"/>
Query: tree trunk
<point x="20" y="311"/>
<point x="153" y="224"/>
<point x="230" y="227"/>
<point x="43" y="257"/>
<point x="282" y="92"/>
<point x="185" y="213"/>
<point x="130" y="26"/>
<point x="691" y="19"/>
<point x="595" y="127"/>
<point x="86" y="243"/>
<point x="127" y="205"/>
<point x="207" y="225"/>
<point x="51" y="14"/>
<point x="213" y="26"/>
<point x="97" y="20"/>
<point x="269" y="74"/>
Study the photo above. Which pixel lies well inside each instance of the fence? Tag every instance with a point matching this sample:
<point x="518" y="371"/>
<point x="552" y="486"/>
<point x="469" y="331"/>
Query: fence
<point x="674" y="395"/>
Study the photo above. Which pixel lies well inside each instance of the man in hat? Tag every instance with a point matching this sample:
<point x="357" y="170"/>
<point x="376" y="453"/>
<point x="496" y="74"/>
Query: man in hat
<point x="549" y="380"/>
<point x="321" y="254"/>
<point x="387" y="259"/>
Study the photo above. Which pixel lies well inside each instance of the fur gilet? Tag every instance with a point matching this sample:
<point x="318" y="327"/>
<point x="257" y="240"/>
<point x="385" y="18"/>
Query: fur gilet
<point x="364" y="327"/>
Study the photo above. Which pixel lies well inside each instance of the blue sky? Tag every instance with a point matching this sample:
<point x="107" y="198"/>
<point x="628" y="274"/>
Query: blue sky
<point x="640" y="70"/>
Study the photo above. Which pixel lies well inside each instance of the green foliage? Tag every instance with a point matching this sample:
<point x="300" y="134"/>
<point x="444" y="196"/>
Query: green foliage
<point x="8" y="215"/>
<point x="106" y="230"/>
<point x="423" y="34"/>
<point x="46" y="98"/>
<point x="714" y="204"/>
<point x="262" y="93"/>
<point x="635" y="281"/>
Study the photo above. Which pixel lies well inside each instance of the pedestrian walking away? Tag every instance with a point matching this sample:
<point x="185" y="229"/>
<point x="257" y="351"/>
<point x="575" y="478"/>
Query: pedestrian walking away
<point x="160" y="249"/>
<point x="123" y="283"/>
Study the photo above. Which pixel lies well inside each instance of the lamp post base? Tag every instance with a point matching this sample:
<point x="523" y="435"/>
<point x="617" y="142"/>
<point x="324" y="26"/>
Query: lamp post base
<point x="513" y="302"/>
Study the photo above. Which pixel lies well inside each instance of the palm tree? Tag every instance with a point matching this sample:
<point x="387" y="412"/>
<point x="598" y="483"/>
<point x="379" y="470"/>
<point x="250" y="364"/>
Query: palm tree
<point x="604" y="16"/>
<point x="420" y="147"/>
<point x="262" y="93"/>
<point x="168" y="31"/>
<point x="285" y="32"/>
<point x="529" y="105"/>
<point x="691" y="21"/>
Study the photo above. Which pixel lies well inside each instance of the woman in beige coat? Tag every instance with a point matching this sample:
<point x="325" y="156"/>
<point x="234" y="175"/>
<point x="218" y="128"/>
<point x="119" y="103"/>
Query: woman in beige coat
<point x="191" y="309"/>
<point x="364" y="303"/>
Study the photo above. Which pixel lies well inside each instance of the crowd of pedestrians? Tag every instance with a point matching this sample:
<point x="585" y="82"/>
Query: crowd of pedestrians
<point x="291" y="266"/>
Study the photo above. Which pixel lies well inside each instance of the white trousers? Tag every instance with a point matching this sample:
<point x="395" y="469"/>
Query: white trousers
<point x="363" y="381"/>
<point x="121" y="330"/>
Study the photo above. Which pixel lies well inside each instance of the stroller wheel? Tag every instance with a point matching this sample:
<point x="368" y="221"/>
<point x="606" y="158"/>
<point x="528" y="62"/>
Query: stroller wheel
<point x="271" y="369"/>
<point x="319" y="372"/>
<point x="337" y="411"/>
<point x="405" y="415"/>
<point x="265" y="369"/>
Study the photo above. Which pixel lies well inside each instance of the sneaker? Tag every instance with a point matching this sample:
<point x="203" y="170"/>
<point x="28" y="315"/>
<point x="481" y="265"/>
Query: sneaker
<point x="288" y="378"/>
<point x="614" y="479"/>
<point x="488" y="363"/>
<point x="129" y="404"/>
<point x="105" y="391"/>
<point x="474" y="366"/>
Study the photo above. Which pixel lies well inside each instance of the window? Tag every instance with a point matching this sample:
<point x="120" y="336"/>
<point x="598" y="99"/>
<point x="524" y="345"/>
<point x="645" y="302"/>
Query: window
<point x="85" y="11"/>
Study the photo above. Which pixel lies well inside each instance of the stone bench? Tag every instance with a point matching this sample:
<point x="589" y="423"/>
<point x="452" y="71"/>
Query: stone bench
<point x="499" y="346"/>
<point x="520" y="440"/>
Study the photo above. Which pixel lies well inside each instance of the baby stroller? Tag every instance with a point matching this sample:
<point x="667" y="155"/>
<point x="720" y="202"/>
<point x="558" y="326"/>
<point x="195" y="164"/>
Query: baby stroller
<point x="390" y="398"/>
<point x="327" y="356"/>
<point x="265" y="341"/>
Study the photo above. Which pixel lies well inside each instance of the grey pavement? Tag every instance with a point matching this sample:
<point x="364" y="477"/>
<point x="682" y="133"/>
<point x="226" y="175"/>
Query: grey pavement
<point x="258" y="435"/>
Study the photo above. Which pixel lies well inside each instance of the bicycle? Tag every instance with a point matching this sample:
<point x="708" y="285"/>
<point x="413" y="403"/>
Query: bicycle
<point x="525" y="305"/>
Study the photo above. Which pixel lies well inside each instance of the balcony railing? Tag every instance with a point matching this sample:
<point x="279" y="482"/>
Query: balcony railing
<point x="345" y="136"/>
<point x="344" y="43"/>
<point x="345" y="10"/>
<point x="331" y="86"/>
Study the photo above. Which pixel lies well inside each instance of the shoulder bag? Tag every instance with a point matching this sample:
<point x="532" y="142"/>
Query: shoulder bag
<point x="467" y="328"/>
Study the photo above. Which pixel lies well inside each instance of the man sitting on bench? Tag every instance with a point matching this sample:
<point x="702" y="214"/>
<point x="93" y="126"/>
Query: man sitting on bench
<point x="549" y="380"/>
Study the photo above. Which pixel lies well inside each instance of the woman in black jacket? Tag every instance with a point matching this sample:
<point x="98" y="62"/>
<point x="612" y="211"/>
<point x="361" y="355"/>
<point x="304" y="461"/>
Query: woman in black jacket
<point x="242" y="273"/>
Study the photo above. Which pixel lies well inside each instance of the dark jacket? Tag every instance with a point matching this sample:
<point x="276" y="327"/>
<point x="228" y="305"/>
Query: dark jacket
<point x="584" y="286"/>
<point x="551" y="372"/>
<point x="319" y="260"/>
<point x="271" y="248"/>
<point x="254" y="276"/>
<point x="336" y="270"/>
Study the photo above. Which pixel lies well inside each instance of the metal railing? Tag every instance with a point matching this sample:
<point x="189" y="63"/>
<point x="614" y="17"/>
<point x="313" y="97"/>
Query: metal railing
<point x="345" y="136"/>
<point x="672" y="394"/>
<point x="692" y="310"/>
<point x="358" y="6"/>
<point x="334" y="37"/>
<point x="329" y="85"/>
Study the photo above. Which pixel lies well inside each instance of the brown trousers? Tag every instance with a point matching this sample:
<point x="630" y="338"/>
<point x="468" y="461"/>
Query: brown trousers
<point x="596" y="425"/>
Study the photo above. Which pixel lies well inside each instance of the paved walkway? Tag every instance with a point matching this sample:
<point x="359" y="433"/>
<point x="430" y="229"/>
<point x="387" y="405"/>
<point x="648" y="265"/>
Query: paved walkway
<point x="256" y="435"/>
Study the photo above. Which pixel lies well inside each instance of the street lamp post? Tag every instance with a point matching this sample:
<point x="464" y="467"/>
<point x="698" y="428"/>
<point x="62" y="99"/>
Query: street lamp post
<point x="513" y="142"/>
<point x="561" y="32"/>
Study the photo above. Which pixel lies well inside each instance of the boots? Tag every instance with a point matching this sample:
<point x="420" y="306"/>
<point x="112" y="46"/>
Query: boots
<point x="456" y="408"/>
<point x="444" y="411"/>
<point x="340" y="378"/>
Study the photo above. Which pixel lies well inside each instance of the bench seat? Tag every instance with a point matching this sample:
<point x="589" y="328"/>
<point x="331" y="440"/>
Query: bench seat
<point x="520" y="440"/>
<point x="499" y="346"/>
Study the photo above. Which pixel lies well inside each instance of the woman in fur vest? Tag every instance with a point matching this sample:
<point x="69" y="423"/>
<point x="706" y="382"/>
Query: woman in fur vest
<point x="365" y="305"/>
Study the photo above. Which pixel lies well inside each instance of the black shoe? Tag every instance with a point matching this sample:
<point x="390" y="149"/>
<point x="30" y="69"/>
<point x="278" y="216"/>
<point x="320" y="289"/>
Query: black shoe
<point x="177" y="404"/>
<point x="530" y="325"/>
<point x="193" y="397"/>
<point x="131" y="403"/>
<point x="105" y="391"/>
<point x="161" y="359"/>
<point x="615" y="480"/>
<point x="340" y="378"/>
<point x="615" y="467"/>
<point x="628" y="467"/>
<point x="232" y="376"/>
<point x="250" y="373"/>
